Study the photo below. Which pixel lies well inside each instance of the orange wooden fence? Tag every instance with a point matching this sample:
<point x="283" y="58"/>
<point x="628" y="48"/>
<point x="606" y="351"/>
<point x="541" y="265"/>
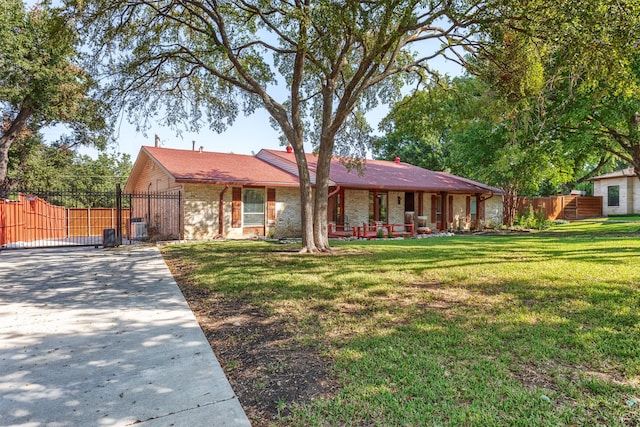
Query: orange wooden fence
<point x="563" y="207"/>
<point x="92" y="221"/>
<point x="31" y="218"/>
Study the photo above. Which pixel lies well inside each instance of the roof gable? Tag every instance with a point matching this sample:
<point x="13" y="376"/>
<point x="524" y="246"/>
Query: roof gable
<point x="210" y="167"/>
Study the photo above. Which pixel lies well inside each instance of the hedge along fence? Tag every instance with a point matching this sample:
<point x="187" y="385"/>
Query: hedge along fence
<point x="31" y="218"/>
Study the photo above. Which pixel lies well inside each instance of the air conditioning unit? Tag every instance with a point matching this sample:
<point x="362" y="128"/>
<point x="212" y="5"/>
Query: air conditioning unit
<point x="138" y="230"/>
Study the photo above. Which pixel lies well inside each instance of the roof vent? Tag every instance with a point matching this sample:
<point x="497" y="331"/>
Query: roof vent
<point x="289" y="149"/>
<point x="397" y="160"/>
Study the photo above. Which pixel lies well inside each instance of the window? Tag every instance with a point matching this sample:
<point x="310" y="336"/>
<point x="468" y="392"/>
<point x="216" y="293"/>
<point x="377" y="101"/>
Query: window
<point x="253" y="206"/>
<point x="473" y="208"/>
<point x="378" y="207"/>
<point x="613" y="195"/>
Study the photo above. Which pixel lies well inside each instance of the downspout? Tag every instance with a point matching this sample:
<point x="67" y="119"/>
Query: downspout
<point x="334" y="192"/>
<point x="221" y="213"/>
<point x="483" y="199"/>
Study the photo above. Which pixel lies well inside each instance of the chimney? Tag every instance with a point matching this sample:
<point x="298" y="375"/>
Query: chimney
<point x="201" y="148"/>
<point x="157" y="141"/>
<point x="397" y="160"/>
<point x="193" y="146"/>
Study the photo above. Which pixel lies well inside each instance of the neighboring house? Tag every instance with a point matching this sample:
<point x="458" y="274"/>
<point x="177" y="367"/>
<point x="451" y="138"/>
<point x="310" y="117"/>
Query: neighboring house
<point x="620" y="192"/>
<point x="239" y="196"/>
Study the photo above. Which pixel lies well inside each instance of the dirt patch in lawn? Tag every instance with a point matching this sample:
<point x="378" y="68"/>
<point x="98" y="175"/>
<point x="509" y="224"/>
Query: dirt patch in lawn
<point x="268" y="370"/>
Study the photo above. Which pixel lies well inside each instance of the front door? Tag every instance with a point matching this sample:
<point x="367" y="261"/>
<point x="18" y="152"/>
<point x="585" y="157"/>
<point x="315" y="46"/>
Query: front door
<point x="409" y="202"/>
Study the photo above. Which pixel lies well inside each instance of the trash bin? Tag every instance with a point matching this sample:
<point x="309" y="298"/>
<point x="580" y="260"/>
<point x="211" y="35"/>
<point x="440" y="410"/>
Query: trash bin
<point x="109" y="238"/>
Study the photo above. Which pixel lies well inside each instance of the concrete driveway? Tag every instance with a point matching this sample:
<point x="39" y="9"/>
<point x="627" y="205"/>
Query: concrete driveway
<point x="94" y="337"/>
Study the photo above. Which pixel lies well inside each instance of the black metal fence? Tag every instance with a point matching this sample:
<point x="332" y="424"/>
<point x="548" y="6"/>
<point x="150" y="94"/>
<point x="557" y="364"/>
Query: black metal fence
<point x="33" y="218"/>
<point x="153" y="216"/>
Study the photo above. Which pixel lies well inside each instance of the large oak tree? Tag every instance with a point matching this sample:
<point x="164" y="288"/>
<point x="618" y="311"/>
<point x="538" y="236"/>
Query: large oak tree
<point x="194" y="61"/>
<point x="41" y="83"/>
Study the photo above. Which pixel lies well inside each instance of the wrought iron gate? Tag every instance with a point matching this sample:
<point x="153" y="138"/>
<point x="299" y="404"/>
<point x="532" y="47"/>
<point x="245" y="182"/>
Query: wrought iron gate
<point x="53" y="218"/>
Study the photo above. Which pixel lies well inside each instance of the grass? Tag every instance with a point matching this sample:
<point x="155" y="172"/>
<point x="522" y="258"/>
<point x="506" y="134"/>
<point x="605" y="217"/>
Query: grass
<point x="609" y="226"/>
<point x="535" y="330"/>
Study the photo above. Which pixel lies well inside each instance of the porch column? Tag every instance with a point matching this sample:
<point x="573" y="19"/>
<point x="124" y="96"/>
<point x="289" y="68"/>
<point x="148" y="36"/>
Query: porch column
<point x="443" y="211"/>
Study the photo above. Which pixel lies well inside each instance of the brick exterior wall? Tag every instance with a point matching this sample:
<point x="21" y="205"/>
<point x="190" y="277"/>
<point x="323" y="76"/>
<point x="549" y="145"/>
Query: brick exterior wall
<point x="493" y="210"/>
<point x="200" y="207"/>
<point x="287" y="213"/>
<point x="356" y="206"/>
<point x="201" y="212"/>
<point x="396" y="210"/>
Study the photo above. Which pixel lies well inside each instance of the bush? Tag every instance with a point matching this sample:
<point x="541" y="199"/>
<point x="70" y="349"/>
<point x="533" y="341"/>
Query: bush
<point x="533" y="220"/>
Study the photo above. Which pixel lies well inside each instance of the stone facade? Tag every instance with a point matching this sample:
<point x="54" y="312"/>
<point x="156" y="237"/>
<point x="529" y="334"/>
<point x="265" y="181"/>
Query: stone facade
<point x="287" y="213"/>
<point x="493" y="208"/>
<point x="200" y="210"/>
<point x="201" y="214"/>
<point x="356" y="207"/>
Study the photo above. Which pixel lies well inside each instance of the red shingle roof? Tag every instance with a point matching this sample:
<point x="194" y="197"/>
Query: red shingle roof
<point x="196" y="166"/>
<point x="382" y="174"/>
<point x="278" y="168"/>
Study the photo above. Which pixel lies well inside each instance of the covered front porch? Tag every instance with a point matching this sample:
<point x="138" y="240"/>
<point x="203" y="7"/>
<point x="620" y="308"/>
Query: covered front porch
<point x="368" y="214"/>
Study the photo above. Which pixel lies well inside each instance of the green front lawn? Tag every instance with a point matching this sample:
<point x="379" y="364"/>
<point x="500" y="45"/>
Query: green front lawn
<point x="535" y="330"/>
<point x="602" y="227"/>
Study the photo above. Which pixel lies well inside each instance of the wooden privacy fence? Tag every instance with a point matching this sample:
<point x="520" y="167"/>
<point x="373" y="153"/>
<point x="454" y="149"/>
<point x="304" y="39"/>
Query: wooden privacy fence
<point x="563" y="207"/>
<point x="31" y="219"/>
<point x="92" y="221"/>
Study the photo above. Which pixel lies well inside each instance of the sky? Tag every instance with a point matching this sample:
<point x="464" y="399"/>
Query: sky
<point x="247" y="135"/>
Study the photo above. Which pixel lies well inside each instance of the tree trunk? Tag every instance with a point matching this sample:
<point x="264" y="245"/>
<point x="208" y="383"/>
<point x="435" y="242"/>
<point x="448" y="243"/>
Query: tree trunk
<point x="509" y="205"/>
<point x="320" y="226"/>
<point x="18" y="125"/>
<point x="5" y="183"/>
<point x="306" y="198"/>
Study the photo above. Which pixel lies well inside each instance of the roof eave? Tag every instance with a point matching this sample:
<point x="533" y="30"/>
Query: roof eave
<point x="236" y="182"/>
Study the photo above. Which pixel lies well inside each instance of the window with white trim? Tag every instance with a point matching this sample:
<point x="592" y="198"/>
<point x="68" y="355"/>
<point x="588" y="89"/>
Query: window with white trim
<point x="253" y="207"/>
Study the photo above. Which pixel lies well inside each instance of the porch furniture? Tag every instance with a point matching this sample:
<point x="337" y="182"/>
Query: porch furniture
<point x="368" y="231"/>
<point x="422" y="225"/>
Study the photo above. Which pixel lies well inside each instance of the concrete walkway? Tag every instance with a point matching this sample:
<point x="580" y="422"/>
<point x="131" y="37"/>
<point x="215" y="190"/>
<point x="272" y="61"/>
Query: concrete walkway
<point x="95" y="337"/>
